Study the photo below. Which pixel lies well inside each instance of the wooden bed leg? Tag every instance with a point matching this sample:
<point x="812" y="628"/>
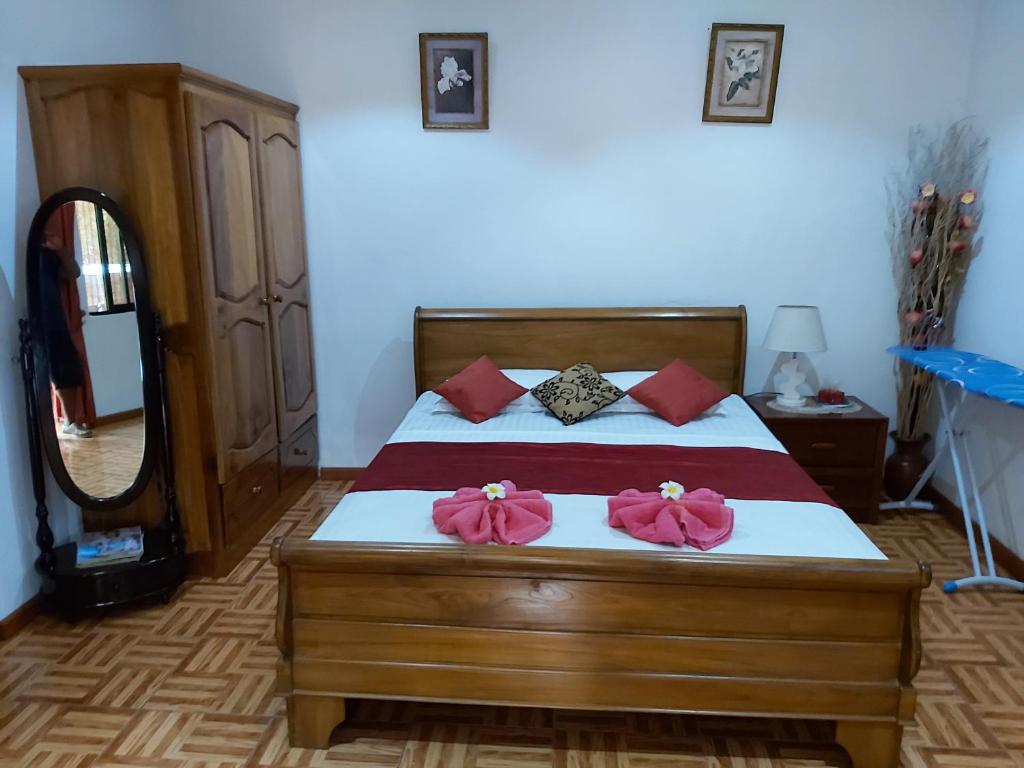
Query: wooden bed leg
<point x="870" y="745"/>
<point x="312" y="718"/>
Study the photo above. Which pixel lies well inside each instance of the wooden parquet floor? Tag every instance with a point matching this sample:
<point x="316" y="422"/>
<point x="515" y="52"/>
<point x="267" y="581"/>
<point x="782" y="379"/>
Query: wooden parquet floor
<point x="191" y="685"/>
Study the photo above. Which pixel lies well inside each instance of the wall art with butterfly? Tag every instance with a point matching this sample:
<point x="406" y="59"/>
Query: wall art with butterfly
<point x="453" y="80"/>
<point x="743" y="73"/>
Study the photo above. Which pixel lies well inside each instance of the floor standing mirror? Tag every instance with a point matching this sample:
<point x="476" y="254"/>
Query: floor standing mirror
<point x="93" y="366"/>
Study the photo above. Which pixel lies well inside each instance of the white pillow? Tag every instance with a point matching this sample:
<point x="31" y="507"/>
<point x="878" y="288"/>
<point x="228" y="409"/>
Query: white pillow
<point x="524" y="377"/>
<point x="625" y="380"/>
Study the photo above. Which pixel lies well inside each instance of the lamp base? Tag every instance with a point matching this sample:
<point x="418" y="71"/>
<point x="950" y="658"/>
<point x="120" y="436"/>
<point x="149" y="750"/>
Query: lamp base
<point x="791" y="402"/>
<point x="792" y="378"/>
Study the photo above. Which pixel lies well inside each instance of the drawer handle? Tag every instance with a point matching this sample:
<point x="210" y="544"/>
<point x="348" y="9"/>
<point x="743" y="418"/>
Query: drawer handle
<point x="824" y="446"/>
<point x="257" y="489"/>
<point x="300" y="452"/>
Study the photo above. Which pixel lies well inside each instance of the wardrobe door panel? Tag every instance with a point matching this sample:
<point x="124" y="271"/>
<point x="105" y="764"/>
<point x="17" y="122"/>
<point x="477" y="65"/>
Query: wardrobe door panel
<point x="231" y="213"/>
<point x="285" y="245"/>
<point x="296" y="362"/>
<point x="224" y="157"/>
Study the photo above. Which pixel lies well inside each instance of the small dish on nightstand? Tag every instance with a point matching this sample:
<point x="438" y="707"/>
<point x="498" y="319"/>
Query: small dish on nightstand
<point x="812" y="407"/>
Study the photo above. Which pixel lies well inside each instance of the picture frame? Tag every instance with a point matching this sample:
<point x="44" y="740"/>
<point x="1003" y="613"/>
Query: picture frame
<point x="743" y="73"/>
<point x="453" y="80"/>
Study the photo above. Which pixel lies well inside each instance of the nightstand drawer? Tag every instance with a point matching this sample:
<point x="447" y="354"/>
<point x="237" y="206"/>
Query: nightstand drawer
<point x="817" y="442"/>
<point x="854" y="492"/>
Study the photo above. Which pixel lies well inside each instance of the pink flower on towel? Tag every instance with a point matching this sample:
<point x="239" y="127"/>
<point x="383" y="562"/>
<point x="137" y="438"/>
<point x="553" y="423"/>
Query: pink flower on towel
<point x="699" y="518"/>
<point x="480" y="515"/>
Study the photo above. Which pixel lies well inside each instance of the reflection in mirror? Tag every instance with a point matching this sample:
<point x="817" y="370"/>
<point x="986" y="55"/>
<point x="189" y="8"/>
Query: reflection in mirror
<point x="91" y="339"/>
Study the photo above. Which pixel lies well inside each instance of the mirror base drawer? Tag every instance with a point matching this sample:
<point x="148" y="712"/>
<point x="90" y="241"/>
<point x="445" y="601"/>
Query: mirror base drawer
<point x="249" y="494"/>
<point x="77" y="590"/>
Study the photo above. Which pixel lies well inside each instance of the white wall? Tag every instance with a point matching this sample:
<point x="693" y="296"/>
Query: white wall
<point x="112" y="344"/>
<point x="990" y="320"/>
<point x="43" y="32"/>
<point x="597" y="183"/>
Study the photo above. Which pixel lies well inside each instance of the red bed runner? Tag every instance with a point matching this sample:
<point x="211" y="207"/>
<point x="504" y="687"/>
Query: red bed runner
<point x="601" y="470"/>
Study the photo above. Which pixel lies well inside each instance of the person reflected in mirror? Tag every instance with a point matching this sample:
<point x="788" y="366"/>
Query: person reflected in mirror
<point x="58" y="273"/>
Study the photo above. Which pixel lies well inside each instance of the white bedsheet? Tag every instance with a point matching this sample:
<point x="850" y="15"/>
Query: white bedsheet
<point x="734" y="425"/>
<point x="768" y="528"/>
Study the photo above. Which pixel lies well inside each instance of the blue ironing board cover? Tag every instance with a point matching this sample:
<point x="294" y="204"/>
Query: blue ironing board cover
<point x="975" y="373"/>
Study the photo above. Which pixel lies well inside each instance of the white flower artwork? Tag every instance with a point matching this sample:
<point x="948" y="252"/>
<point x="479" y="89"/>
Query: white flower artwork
<point x="453" y="80"/>
<point x="743" y="68"/>
<point x="743" y="65"/>
<point x="451" y="75"/>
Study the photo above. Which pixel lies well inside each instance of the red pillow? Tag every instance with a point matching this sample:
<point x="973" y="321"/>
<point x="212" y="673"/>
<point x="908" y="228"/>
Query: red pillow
<point x="678" y="393"/>
<point x="480" y="390"/>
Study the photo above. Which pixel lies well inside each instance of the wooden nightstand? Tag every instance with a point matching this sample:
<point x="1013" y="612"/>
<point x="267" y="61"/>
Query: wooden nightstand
<point x="843" y="452"/>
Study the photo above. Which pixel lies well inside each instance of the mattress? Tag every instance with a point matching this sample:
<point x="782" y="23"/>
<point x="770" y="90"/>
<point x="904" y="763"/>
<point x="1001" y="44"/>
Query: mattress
<point x="732" y="425"/>
<point x="763" y="528"/>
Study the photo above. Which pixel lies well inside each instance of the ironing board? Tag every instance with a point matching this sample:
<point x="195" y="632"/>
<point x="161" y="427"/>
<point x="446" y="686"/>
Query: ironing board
<point x="959" y="374"/>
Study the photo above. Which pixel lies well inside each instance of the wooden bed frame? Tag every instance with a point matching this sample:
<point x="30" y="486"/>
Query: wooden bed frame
<point x="589" y="629"/>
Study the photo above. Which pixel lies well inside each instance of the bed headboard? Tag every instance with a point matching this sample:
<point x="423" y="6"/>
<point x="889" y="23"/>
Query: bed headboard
<point x="711" y="339"/>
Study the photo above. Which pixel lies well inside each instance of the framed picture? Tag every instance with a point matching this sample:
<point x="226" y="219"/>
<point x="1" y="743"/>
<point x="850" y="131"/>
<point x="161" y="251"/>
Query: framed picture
<point x="453" y="80"/>
<point x="743" y="73"/>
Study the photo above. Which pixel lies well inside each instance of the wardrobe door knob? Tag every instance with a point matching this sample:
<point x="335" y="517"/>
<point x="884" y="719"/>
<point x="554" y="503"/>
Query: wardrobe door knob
<point x="277" y="299"/>
<point x="257" y="489"/>
<point x="265" y="301"/>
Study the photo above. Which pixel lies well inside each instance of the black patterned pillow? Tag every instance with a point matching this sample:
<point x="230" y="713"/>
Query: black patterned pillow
<point x="576" y="393"/>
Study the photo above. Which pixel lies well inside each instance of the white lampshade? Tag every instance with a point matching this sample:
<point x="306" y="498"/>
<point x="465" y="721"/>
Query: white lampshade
<point x="796" y="328"/>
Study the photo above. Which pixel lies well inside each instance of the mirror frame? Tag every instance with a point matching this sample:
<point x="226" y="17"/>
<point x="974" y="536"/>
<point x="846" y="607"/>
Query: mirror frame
<point x="151" y="397"/>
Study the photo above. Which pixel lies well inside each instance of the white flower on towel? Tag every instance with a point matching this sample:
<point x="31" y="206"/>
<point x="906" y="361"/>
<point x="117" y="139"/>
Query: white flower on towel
<point x="494" y="491"/>
<point x="451" y="75"/>
<point x="670" y="489"/>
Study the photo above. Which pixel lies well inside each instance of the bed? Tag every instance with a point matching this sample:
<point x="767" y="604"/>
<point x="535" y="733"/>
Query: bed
<point x="798" y="615"/>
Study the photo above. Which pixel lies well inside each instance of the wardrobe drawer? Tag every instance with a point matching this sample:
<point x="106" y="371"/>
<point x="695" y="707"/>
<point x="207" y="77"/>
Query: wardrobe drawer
<point x="249" y="494"/>
<point x="817" y="443"/>
<point x="299" y="456"/>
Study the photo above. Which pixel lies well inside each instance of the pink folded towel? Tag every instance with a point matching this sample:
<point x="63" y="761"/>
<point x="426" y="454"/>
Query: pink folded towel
<point x="699" y="518"/>
<point x="475" y="516"/>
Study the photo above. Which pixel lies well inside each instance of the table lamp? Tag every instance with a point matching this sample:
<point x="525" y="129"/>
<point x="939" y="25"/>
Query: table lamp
<point x="794" y="328"/>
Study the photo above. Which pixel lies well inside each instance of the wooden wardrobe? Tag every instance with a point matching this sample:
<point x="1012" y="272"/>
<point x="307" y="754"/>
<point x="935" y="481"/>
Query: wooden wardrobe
<point x="209" y="172"/>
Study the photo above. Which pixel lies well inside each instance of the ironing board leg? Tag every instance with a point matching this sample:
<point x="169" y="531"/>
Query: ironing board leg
<point x="966" y="472"/>
<point x="972" y="478"/>
<point x="958" y="474"/>
<point x="911" y="501"/>
<point x="981" y="581"/>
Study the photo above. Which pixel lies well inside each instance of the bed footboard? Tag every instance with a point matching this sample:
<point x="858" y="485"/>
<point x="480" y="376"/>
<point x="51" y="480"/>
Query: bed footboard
<point x="588" y="629"/>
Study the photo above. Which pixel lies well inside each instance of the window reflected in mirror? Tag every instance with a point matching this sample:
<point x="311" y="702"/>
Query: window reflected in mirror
<point x="105" y="269"/>
<point x="91" y="339"/>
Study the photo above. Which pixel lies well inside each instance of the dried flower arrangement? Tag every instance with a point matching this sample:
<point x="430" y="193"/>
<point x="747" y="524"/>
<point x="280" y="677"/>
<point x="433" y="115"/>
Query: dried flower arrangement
<point x="934" y="214"/>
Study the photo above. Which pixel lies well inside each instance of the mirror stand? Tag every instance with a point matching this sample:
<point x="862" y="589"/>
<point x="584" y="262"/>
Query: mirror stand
<point x="72" y="590"/>
<point x="44" y="534"/>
